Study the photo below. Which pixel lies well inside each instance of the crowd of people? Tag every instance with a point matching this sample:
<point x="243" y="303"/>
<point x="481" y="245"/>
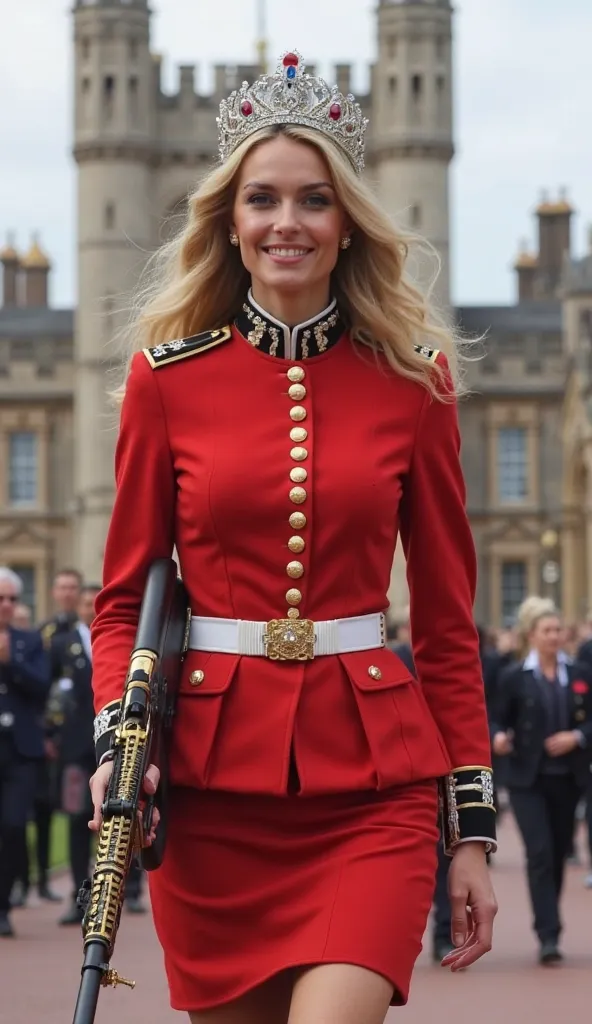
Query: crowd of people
<point x="538" y="687"/>
<point x="47" y="751"/>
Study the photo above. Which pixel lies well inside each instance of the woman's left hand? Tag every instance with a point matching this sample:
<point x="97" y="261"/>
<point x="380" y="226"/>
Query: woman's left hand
<point x="473" y="906"/>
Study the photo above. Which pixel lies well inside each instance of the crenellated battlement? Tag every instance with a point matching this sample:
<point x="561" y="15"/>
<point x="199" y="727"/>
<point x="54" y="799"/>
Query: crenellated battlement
<point x="228" y="77"/>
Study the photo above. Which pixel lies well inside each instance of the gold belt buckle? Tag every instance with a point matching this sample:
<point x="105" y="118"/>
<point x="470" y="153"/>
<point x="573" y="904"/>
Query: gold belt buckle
<point x="289" y="639"/>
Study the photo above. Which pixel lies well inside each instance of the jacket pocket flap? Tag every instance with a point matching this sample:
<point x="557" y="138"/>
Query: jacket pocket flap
<point x="205" y="674"/>
<point x="379" y="669"/>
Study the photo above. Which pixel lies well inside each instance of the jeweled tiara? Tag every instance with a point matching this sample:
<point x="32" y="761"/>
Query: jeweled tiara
<point x="292" y="97"/>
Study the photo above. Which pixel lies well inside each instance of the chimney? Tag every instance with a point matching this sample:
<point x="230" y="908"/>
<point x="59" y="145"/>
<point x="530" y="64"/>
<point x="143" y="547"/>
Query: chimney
<point x="554" y="242"/>
<point x="526" y="267"/>
<point x="35" y="266"/>
<point x="9" y="258"/>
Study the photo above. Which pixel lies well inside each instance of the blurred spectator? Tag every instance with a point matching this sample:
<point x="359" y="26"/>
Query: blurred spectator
<point x="71" y="705"/>
<point x="22" y="617"/>
<point x="543" y="724"/>
<point x="399" y="641"/>
<point x="24" y="684"/>
<point x="65" y="593"/>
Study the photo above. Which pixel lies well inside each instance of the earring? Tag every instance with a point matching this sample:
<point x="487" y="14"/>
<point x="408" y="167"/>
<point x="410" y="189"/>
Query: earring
<point x="233" y="238"/>
<point x="345" y="242"/>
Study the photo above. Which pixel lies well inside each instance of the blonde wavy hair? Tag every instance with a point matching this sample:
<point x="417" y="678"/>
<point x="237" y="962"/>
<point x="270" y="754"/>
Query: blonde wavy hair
<point x="197" y="282"/>
<point x="530" y="612"/>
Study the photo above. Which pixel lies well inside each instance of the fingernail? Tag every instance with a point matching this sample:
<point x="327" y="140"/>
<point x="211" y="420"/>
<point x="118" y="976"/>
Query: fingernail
<point x="458" y="939"/>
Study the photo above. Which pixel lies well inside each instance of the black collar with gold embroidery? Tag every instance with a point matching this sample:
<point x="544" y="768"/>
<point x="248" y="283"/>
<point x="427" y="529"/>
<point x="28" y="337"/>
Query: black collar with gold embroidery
<point x="309" y="339"/>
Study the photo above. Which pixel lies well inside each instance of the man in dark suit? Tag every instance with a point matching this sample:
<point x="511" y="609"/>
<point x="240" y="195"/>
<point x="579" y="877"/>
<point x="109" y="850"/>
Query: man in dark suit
<point x="24" y="684"/>
<point x="543" y="724"/>
<point x="65" y="592"/>
<point x="70" y="709"/>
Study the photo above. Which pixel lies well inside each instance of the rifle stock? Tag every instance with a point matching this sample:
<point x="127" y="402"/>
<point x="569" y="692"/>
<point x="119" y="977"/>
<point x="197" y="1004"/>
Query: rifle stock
<point x="141" y="739"/>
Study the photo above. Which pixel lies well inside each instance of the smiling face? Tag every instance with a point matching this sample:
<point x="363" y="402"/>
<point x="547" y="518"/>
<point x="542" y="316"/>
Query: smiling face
<point x="289" y="223"/>
<point x="545" y="636"/>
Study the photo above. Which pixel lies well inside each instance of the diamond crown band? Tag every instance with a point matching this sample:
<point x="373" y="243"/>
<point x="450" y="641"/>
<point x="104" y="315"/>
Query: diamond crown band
<point x="292" y="97"/>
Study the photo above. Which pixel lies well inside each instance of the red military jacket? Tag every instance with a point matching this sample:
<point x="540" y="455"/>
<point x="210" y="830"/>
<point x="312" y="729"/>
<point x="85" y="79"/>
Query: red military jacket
<point x="203" y="462"/>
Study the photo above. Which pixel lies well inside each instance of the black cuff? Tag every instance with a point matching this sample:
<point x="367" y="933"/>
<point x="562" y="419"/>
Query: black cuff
<point x="106" y="722"/>
<point x="467" y="807"/>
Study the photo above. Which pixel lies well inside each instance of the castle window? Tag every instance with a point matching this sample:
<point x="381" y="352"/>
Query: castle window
<point x="22" y="467"/>
<point x="440" y="98"/>
<point x="85" y="49"/>
<point x="109" y="94"/>
<point x="109" y="215"/>
<point x="133" y="49"/>
<point x="512" y="467"/>
<point x="85" y="86"/>
<point x="514" y="586"/>
<point x="392" y="86"/>
<point x="440" y="48"/>
<point x="133" y="94"/>
<point x="392" y="47"/>
<point x="415" y="216"/>
<point x="416" y="97"/>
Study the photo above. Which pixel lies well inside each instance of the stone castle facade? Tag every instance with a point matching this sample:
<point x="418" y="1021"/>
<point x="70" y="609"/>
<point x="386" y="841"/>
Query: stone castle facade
<point x="139" y="152"/>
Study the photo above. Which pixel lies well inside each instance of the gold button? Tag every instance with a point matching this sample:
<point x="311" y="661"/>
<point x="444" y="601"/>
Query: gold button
<point x="297" y="520"/>
<point x="296" y="373"/>
<point x="296" y="544"/>
<point x="297" y="392"/>
<point x="299" y="454"/>
<point x="295" y="570"/>
<point x="298" y="413"/>
<point x="298" y="475"/>
<point x="293" y="613"/>
<point x="293" y="596"/>
<point x="374" y="672"/>
<point x="196" y="678"/>
<point x="298" y="495"/>
<point x="298" y="434"/>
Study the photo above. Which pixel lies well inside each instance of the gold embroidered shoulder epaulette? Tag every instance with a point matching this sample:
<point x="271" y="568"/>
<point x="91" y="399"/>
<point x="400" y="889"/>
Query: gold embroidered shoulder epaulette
<point x="431" y="354"/>
<point x="171" y="351"/>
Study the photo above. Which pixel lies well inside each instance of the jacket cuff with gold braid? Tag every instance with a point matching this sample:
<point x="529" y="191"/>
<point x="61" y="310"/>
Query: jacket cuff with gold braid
<point x="104" y="730"/>
<point x="467" y="807"/>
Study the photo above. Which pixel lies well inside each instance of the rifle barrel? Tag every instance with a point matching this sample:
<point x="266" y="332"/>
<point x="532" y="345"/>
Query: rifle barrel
<point x="92" y="972"/>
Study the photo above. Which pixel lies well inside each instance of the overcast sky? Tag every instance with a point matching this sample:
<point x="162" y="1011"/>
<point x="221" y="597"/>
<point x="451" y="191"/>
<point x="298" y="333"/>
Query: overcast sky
<point x="523" y="74"/>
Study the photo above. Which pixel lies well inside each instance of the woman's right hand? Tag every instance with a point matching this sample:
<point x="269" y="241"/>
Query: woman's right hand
<point x="98" y="787"/>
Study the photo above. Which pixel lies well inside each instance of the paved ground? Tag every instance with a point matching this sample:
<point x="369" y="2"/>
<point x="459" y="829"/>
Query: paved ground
<point x="39" y="970"/>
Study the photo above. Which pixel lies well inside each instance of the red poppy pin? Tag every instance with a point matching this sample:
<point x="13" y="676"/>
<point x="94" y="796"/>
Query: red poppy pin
<point x="579" y="686"/>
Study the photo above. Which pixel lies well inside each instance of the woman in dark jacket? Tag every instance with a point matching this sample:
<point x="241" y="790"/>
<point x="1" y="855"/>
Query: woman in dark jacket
<point x="543" y="723"/>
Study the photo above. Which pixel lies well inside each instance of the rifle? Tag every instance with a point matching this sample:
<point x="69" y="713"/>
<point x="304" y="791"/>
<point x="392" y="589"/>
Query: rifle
<point x="141" y="738"/>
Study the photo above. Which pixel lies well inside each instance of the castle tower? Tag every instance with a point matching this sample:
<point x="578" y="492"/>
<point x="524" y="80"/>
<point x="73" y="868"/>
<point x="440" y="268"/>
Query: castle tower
<point x="412" y="124"/>
<point x="112" y="144"/>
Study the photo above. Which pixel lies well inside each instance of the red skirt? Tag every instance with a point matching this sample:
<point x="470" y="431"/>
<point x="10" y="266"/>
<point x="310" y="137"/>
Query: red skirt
<point x="253" y="885"/>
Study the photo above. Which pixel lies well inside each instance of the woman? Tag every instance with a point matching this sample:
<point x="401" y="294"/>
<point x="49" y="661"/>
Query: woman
<point x="280" y="447"/>
<point x="544" y="726"/>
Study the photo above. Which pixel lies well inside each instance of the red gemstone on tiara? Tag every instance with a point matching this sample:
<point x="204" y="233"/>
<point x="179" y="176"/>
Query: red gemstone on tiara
<point x="246" y="108"/>
<point x="335" y="111"/>
<point x="291" y="60"/>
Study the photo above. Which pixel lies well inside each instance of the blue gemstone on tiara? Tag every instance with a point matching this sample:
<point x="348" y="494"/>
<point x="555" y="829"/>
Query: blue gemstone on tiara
<point x="291" y="72"/>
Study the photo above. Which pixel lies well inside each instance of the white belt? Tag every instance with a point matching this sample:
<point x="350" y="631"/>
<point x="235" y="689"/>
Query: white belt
<point x="287" y="639"/>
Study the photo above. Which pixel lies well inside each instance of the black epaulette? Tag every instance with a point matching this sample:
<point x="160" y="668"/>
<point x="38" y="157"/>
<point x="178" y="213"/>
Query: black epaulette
<point x="431" y="354"/>
<point x="171" y="351"/>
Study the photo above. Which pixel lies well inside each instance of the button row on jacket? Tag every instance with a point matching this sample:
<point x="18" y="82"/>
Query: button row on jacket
<point x="298" y="475"/>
